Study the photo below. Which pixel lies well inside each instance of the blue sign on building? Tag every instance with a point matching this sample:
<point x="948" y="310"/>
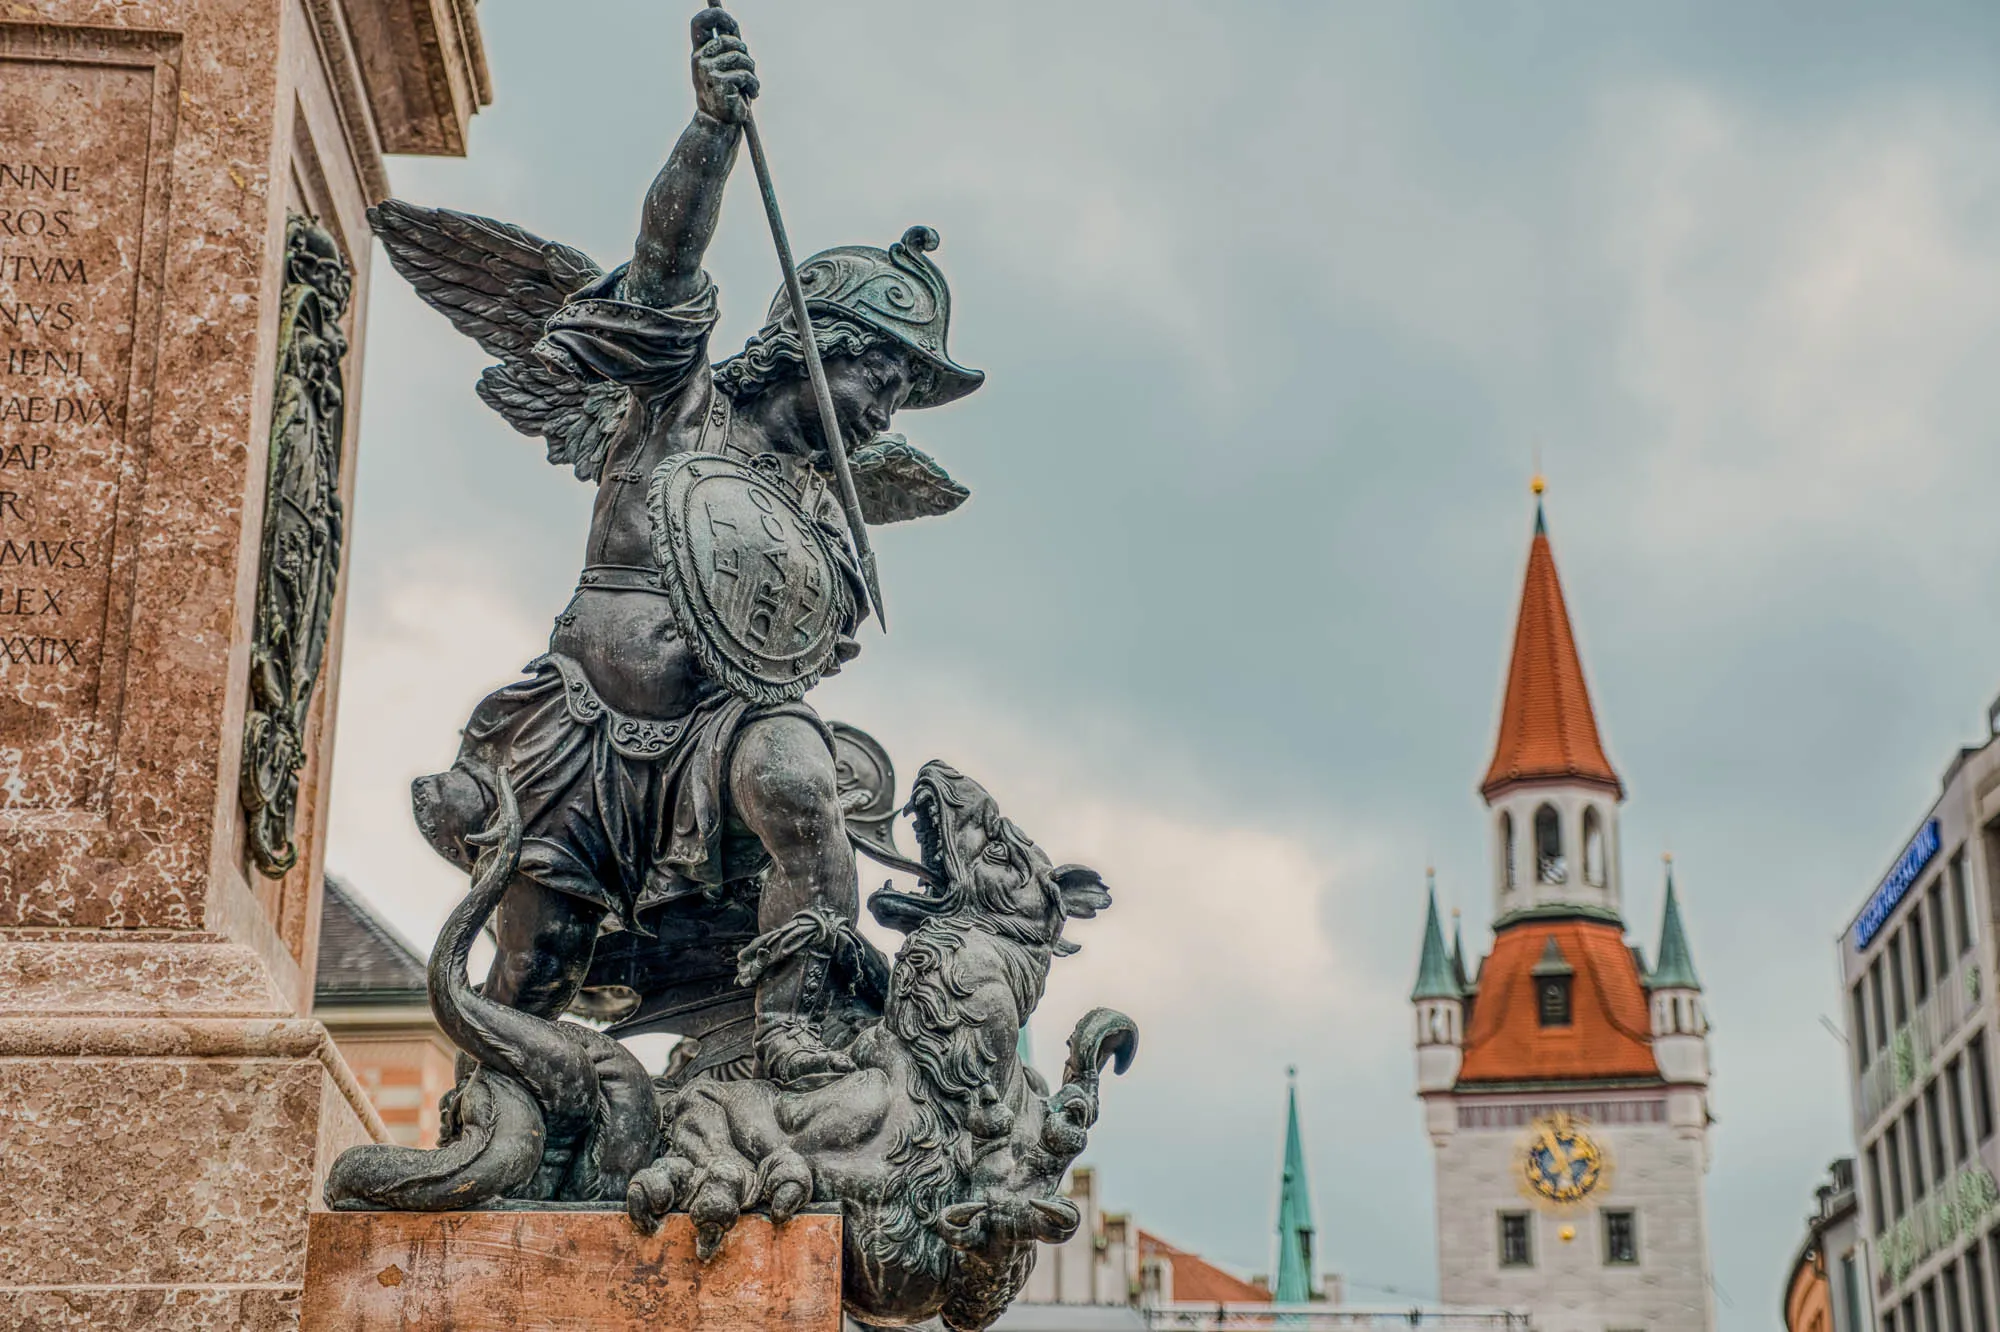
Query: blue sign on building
<point x="1909" y="865"/>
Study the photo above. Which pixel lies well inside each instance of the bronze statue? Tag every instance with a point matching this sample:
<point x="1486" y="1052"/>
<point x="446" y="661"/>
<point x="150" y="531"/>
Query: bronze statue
<point x="662" y="830"/>
<point x="643" y="776"/>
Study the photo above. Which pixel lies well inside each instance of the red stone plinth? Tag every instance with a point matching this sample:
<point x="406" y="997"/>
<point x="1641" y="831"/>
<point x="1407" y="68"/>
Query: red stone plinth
<point x="495" y="1271"/>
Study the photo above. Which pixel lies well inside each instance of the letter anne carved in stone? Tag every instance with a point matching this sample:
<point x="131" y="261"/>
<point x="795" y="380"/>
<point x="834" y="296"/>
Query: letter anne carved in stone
<point x="302" y="536"/>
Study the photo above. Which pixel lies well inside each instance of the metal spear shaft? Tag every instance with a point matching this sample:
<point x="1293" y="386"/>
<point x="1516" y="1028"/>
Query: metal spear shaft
<point x="829" y="420"/>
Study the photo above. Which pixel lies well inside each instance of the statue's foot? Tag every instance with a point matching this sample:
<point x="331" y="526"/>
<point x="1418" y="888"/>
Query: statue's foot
<point x="787" y="1184"/>
<point x="791" y="1054"/>
<point x="721" y="1192"/>
<point x="657" y="1190"/>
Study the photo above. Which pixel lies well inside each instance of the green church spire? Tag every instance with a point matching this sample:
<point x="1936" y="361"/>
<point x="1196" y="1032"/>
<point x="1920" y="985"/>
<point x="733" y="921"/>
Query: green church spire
<point x="1435" y="977"/>
<point x="1676" y="966"/>
<point x="1295" y="1222"/>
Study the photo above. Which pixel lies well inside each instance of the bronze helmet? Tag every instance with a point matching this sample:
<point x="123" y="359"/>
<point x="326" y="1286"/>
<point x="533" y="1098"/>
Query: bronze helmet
<point x="898" y="291"/>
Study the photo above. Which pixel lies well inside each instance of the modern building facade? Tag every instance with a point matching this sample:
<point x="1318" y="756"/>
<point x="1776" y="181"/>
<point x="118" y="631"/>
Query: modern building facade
<point x="1565" y="1084"/>
<point x="1917" y="965"/>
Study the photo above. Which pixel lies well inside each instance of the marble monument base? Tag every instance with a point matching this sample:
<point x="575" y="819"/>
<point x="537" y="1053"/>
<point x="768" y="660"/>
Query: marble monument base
<point x="159" y="1170"/>
<point x="489" y="1271"/>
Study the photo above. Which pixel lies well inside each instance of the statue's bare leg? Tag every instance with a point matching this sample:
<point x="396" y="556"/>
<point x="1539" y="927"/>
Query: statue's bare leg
<point x="781" y="783"/>
<point x="545" y="940"/>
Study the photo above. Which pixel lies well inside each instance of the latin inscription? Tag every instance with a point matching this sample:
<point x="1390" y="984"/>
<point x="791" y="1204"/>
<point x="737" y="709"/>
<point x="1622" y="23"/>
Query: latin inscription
<point x="74" y="143"/>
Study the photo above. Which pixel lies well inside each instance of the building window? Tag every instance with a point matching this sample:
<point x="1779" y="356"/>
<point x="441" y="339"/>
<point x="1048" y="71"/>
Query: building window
<point x="1993" y="1258"/>
<point x="1593" y="848"/>
<point x="1961" y="909"/>
<point x="1875" y="999"/>
<point x="1549" y="866"/>
<point x="1507" y="848"/>
<point x="1621" y="1238"/>
<point x="1878" y="1201"/>
<point x="1552" y="995"/>
<point x="1954" y="1090"/>
<point x="1975" y="1289"/>
<point x="1899" y="997"/>
<point x="1515" y="1250"/>
<point x="1920" y="968"/>
<point x="1940" y="932"/>
<point x="1954" y="1312"/>
<point x="1982" y="1087"/>
<point x="1913" y="1140"/>
<point x="1931" y="1306"/>
<point x="1934" y="1121"/>
<point x="1859" y="1037"/>
<point x="1894" y="1154"/>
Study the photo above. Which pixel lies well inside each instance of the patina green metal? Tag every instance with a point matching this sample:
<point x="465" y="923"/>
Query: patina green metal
<point x="1295" y="1221"/>
<point x="302" y="539"/>
<point x="1436" y="977"/>
<point x="1676" y="966"/>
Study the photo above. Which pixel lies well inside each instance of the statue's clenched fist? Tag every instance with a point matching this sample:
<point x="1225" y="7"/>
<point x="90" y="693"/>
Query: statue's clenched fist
<point x="725" y="77"/>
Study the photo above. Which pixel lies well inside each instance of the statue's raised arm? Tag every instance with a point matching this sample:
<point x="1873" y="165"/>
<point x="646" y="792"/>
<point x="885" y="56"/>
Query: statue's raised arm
<point x="685" y="202"/>
<point x="575" y="343"/>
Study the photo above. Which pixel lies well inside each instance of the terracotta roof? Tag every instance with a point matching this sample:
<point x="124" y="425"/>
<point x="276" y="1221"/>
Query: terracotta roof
<point x="1547" y="728"/>
<point x="1199" y="1281"/>
<point x="1610" y="1031"/>
<point x="362" y="960"/>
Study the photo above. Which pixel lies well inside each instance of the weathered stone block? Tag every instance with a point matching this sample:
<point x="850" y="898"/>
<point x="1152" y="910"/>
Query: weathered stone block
<point x="488" y="1271"/>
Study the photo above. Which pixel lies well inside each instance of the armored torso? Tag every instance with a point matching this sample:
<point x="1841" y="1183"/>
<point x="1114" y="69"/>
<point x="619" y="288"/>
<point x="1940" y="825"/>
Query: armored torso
<point x="624" y="626"/>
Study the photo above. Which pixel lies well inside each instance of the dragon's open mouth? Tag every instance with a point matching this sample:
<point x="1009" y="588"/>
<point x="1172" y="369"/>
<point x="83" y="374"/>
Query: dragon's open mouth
<point x="925" y="820"/>
<point x="935" y="808"/>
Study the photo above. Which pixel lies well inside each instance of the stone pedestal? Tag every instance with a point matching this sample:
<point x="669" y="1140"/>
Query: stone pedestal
<point x="166" y="1112"/>
<point x="497" y="1271"/>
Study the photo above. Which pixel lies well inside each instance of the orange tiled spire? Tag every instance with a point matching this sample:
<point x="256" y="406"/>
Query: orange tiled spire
<point x="1547" y="729"/>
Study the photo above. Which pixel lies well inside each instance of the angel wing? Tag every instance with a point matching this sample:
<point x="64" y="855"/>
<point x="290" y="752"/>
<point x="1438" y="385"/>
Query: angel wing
<point x="897" y="481"/>
<point x="577" y="418"/>
<point x="498" y="284"/>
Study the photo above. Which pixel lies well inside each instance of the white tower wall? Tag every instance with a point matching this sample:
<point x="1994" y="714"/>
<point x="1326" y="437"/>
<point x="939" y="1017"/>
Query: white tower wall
<point x="1583" y="883"/>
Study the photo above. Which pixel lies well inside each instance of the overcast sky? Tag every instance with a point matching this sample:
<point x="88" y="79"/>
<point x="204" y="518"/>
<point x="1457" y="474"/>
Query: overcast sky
<point x="1278" y="303"/>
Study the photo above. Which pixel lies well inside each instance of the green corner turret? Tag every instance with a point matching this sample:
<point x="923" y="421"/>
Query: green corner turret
<point x="1675" y="970"/>
<point x="1436" y="977"/>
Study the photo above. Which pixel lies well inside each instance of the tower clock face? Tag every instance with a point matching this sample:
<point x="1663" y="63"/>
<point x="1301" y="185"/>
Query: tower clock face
<point x="1560" y="1161"/>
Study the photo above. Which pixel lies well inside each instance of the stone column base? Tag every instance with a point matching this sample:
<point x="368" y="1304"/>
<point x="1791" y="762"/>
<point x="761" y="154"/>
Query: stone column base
<point x="481" y="1271"/>
<point x="159" y="1171"/>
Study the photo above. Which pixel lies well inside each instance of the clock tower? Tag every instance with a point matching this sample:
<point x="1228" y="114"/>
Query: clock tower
<point x="1564" y="1083"/>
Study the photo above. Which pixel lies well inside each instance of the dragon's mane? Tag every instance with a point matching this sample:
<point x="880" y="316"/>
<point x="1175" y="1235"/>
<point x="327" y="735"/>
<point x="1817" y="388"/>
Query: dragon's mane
<point x="953" y="1059"/>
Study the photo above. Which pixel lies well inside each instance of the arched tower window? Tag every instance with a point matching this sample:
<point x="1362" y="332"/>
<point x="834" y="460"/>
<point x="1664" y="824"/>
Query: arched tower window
<point x="1593" y="847"/>
<point x="1549" y="865"/>
<point x="1507" y="849"/>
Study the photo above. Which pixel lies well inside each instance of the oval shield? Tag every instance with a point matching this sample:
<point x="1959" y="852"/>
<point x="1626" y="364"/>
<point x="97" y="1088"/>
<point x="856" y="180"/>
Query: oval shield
<point x="866" y="780"/>
<point x="755" y="589"/>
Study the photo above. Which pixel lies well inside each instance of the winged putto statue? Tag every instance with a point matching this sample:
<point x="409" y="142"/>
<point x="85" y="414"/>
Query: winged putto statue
<point x="662" y="830"/>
